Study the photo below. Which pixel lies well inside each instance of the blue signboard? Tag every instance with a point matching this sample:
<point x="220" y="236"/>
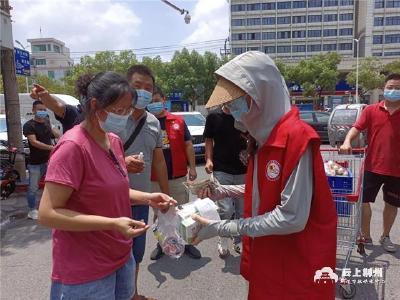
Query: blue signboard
<point x="22" y="63"/>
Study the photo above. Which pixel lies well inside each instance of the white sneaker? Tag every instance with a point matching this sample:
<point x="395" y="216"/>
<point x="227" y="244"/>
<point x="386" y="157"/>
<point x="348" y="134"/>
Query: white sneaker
<point x="387" y="244"/>
<point x="33" y="214"/>
<point x="222" y="247"/>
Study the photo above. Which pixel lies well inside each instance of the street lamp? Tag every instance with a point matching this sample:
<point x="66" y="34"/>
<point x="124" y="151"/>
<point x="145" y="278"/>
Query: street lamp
<point x="26" y="77"/>
<point x="187" y="17"/>
<point x="357" y="56"/>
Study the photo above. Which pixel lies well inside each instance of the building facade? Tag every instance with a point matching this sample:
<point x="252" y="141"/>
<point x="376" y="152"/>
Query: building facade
<point x="50" y="57"/>
<point x="294" y="30"/>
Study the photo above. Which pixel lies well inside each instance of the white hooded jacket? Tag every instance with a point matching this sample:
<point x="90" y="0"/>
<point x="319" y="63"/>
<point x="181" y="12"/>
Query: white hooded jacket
<point x="256" y="74"/>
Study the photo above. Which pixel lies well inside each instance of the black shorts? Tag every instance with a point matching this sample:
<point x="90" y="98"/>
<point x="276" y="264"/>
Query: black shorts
<point x="373" y="183"/>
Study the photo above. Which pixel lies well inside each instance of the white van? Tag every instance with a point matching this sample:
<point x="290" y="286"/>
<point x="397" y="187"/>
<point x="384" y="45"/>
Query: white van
<point x="340" y="122"/>
<point x="25" y="104"/>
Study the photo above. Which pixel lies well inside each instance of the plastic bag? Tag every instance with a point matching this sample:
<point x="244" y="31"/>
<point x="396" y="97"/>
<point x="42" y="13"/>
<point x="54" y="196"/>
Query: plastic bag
<point x="165" y="231"/>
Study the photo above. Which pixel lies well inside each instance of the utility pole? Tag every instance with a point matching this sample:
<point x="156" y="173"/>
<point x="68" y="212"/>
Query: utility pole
<point x="11" y="100"/>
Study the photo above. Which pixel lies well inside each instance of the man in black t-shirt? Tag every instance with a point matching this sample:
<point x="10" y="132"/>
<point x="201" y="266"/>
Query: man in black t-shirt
<point x="224" y="145"/>
<point x="67" y="115"/>
<point x="39" y="134"/>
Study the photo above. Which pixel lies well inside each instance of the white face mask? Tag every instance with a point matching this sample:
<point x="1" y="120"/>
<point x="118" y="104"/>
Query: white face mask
<point x="144" y="98"/>
<point x="114" y="123"/>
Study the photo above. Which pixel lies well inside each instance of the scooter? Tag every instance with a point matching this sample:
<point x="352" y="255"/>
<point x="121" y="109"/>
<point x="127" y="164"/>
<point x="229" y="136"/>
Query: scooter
<point x="8" y="174"/>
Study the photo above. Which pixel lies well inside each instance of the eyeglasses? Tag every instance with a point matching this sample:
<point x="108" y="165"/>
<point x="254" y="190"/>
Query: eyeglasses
<point x="116" y="163"/>
<point x="120" y="111"/>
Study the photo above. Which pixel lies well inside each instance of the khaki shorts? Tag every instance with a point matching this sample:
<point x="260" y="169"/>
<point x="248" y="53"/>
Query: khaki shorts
<point x="176" y="189"/>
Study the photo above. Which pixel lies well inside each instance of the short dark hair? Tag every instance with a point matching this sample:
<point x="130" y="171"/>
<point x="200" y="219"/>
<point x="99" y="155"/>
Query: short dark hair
<point x="393" y="76"/>
<point x="158" y="90"/>
<point x="36" y="102"/>
<point x="106" y="87"/>
<point x="140" y="69"/>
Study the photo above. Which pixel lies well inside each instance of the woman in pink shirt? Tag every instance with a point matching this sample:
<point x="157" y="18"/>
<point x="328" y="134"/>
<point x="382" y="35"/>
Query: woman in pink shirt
<point x="87" y="200"/>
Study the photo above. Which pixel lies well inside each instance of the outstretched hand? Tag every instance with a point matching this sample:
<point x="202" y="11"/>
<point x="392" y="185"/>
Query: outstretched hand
<point x="161" y="201"/>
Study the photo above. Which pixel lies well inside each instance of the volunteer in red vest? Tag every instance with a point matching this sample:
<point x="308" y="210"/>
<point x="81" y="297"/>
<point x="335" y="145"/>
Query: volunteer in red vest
<point x="289" y="224"/>
<point x="179" y="156"/>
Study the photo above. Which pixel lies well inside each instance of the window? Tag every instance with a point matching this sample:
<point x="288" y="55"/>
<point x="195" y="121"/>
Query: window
<point x="307" y="116"/>
<point x="314" y="3"/>
<point x="299" y="48"/>
<point x="346" y="2"/>
<point x="314" y="18"/>
<point x="298" y="19"/>
<point x="322" y="118"/>
<point x="299" y="34"/>
<point x="253" y="48"/>
<point x="379" y="3"/>
<point x="284" y="5"/>
<point x="395" y="53"/>
<point x="51" y="74"/>
<point x="346" y="31"/>
<point x="40" y="62"/>
<point x="238" y="51"/>
<point x="254" y="6"/>
<point x="314" y="33"/>
<point x="38" y="48"/>
<point x="377" y="54"/>
<point x="238" y="22"/>
<point x="329" y="47"/>
<point x="314" y="48"/>
<point x="268" y="6"/>
<point x="49" y="47"/>
<point x="392" y="38"/>
<point x="238" y="36"/>
<point x="268" y="21"/>
<point x="378" y="21"/>
<point x="283" y="20"/>
<point x="377" y="39"/>
<point x="299" y="4"/>
<point x="269" y="35"/>
<point x="328" y="3"/>
<point x="346" y="17"/>
<point x="330" y="18"/>
<point x="254" y="36"/>
<point x="283" y="49"/>
<point x="56" y="49"/>
<point x="392" y="3"/>
<point x="392" y="21"/>
<point x="253" y="21"/>
<point x="330" y="32"/>
<point x="345" y="46"/>
<point x="269" y="49"/>
<point x="283" y="35"/>
<point x="238" y="7"/>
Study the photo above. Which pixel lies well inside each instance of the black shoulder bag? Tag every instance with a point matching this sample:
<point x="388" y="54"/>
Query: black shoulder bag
<point x="135" y="133"/>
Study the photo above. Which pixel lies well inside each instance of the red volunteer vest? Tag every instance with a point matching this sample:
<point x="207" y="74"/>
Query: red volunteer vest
<point x="283" y="266"/>
<point x="175" y="128"/>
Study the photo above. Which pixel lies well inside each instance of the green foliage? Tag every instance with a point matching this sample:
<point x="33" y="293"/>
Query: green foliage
<point x="316" y="74"/>
<point x="393" y="67"/>
<point x="369" y="75"/>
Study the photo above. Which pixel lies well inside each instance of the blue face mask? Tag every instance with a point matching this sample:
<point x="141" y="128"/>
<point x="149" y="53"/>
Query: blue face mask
<point x="238" y="107"/>
<point x="144" y="98"/>
<point x="41" y="114"/>
<point x="155" y="108"/>
<point x="114" y="123"/>
<point x="392" y="95"/>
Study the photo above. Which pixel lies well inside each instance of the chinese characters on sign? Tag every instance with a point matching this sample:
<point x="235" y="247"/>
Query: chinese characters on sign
<point x="365" y="275"/>
<point x="22" y="63"/>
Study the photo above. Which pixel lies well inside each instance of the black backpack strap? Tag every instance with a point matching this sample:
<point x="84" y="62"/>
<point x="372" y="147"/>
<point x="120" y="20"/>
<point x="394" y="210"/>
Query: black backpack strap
<point x="135" y="133"/>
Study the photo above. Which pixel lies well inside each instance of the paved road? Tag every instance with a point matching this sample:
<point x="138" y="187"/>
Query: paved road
<point x="26" y="264"/>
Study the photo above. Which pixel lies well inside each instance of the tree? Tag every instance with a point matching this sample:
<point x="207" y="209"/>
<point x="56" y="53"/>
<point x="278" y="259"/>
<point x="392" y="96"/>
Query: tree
<point x="369" y="75"/>
<point x="316" y="74"/>
<point x="393" y="67"/>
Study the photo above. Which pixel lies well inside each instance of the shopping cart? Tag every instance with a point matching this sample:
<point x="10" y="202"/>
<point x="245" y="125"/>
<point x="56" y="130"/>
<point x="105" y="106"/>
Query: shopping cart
<point x="347" y="194"/>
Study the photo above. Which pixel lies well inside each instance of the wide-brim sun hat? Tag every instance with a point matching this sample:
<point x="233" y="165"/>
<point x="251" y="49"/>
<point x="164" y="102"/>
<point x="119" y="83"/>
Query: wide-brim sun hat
<point x="224" y="91"/>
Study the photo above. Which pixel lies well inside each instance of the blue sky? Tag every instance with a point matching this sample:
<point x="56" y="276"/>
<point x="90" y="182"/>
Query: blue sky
<point x="89" y="25"/>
